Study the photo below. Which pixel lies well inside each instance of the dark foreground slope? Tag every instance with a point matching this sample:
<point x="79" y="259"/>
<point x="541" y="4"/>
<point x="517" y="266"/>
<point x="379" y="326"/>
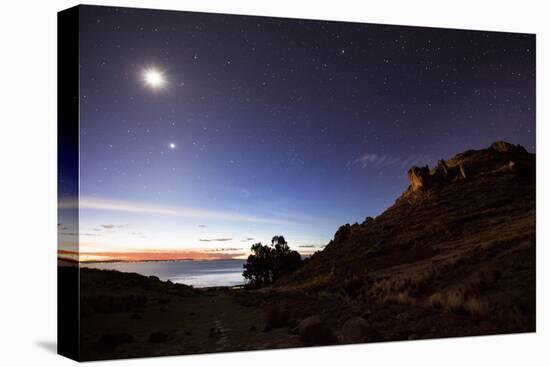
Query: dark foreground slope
<point x="127" y="315"/>
<point x="454" y="256"/>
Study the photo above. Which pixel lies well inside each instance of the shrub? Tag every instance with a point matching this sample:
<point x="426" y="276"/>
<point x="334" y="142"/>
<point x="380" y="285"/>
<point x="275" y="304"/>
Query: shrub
<point x="477" y="307"/>
<point x="437" y="300"/>
<point x="455" y="299"/>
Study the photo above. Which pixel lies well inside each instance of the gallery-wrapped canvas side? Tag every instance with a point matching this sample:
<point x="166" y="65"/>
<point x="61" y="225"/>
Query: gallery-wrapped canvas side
<point x="68" y="165"/>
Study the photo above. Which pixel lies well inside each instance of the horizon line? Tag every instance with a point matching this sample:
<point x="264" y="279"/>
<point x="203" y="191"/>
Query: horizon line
<point x="152" y="255"/>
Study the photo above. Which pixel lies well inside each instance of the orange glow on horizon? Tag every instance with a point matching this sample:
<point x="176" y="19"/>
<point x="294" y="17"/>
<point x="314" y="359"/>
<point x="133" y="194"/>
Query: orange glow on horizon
<point x="153" y="255"/>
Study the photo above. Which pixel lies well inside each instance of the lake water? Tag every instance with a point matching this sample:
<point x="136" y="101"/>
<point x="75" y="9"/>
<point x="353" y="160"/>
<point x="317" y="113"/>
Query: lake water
<point x="196" y="273"/>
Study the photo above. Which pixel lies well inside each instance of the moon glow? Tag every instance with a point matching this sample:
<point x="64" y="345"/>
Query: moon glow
<point x="154" y="78"/>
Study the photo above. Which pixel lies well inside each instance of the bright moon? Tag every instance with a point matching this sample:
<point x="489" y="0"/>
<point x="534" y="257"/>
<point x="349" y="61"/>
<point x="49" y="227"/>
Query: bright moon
<point x="172" y="146"/>
<point x="154" y="78"/>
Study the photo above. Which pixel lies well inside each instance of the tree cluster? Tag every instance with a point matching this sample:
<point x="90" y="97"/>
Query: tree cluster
<point x="267" y="263"/>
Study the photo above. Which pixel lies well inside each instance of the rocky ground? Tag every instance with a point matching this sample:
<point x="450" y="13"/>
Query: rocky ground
<point x="129" y="315"/>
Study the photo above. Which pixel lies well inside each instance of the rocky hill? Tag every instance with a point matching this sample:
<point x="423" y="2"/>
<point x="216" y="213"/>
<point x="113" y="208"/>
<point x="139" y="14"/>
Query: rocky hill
<point x="454" y="255"/>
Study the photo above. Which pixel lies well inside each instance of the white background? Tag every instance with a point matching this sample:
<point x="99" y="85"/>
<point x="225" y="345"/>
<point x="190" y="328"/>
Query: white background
<point x="28" y="182"/>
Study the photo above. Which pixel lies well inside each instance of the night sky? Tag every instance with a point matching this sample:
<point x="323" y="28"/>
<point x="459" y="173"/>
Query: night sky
<point x="262" y="126"/>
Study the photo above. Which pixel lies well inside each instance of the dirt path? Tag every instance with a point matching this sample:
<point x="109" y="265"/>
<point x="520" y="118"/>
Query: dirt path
<point x="212" y="321"/>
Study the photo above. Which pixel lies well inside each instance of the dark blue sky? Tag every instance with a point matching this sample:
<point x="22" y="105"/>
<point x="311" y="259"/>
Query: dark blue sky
<point x="280" y="126"/>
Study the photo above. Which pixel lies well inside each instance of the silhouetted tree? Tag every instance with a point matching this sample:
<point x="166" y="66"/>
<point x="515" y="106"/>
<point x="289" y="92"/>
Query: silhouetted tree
<point x="268" y="263"/>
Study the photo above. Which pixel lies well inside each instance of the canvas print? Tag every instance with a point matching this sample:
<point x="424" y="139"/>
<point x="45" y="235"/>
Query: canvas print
<point x="237" y="183"/>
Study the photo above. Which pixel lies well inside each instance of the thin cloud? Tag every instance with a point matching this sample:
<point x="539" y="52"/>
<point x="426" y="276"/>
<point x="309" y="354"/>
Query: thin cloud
<point x="381" y="161"/>
<point x="215" y="239"/>
<point x="248" y="239"/>
<point x="202" y="226"/>
<point x="94" y="203"/>
<point x="108" y="226"/>
<point x="224" y="249"/>
<point x="82" y="234"/>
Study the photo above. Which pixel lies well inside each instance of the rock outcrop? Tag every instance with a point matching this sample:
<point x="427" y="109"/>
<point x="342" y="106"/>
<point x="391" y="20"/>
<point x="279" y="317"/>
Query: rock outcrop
<point x="453" y="256"/>
<point x="419" y="177"/>
<point x="471" y="162"/>
<point x="423" y="177"/>
<point x="502" y="146"/>
<point x="342" y="233"/>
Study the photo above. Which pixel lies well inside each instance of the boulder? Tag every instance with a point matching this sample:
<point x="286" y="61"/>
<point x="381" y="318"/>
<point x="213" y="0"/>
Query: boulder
<point x="355" y="330"/>
<point x="313" y="330"/>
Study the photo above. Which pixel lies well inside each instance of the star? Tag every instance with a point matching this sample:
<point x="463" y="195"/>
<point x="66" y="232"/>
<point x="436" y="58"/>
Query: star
<point x="172" y="146"/>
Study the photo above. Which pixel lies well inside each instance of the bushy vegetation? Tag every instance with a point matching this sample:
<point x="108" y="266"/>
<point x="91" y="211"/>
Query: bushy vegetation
<point x="267" y="263"/>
